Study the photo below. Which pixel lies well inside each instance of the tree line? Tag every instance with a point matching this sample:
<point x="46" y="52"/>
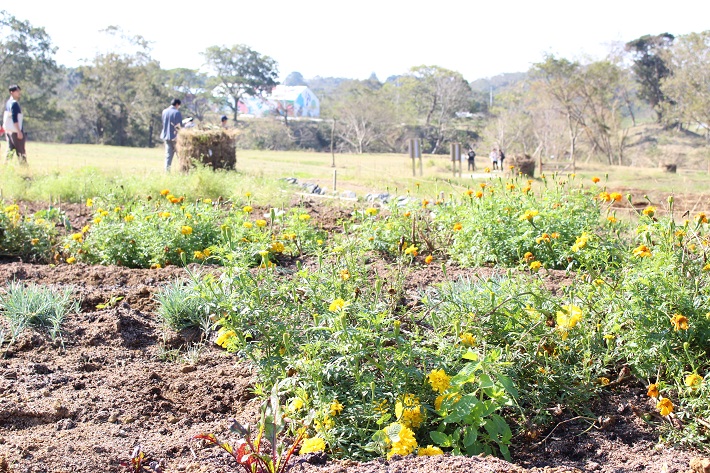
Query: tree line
<point x="560" y="107"/>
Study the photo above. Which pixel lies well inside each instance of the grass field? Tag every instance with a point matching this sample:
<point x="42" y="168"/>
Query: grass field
<point x="72" y="171"/>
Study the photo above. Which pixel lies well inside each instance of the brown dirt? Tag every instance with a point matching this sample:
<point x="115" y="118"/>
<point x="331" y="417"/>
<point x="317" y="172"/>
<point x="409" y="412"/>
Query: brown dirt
<point x="83" y="407"/>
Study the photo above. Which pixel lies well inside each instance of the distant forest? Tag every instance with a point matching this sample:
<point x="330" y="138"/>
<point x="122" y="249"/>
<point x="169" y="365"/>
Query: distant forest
<point x="560" y="107"/>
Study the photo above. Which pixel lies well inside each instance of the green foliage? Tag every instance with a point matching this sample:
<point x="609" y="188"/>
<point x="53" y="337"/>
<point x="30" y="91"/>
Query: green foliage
<point x="29" y="236"/>
<point x="179" y="307"/>
<point x="33" y="305"/>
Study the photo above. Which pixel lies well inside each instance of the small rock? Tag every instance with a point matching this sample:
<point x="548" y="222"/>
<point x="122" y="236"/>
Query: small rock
<point x="221" y="373"/>
<point x="2" y="440"/>
<point x="188" y="369"/>
<point x="173" y="419"/>
<point x="154" y="376"/>
<point x="129" y="419"/>
<point x="592" y="466"/>
<point x="700" y="465"/>
<point x="122" y="433"/>
<point x="65" y="424"/>
<point x="113" y="418"/>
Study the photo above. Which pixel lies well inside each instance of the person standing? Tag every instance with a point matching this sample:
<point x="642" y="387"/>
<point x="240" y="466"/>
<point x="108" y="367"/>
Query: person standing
<point x="494" y="158"/>
<point x="501" y="158"/>
<point x="471" y="160"/>
<point x="172" y="120"/>
<point x="12" y="123"/>
<point x="224" y="122"/>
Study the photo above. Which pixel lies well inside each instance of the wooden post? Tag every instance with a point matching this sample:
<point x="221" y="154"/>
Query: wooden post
<point x="414" y="153"/>
<point x="335" y="180"/>
<point x="455" y="149"/>
<point x="332" y="140"/>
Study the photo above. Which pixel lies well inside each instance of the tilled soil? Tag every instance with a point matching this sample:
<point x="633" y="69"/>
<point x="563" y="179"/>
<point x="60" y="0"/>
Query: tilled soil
<point x="117" y="380"/>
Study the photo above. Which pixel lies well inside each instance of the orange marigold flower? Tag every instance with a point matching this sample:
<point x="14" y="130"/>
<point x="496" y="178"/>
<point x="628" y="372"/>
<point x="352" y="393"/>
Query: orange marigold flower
<point x="679" y="322"/>
<point x="458" y="226"/>
<point x="665" y="406"/>
<point x="595" y="179"/>
<point x="428" y="259"/>
<point x="653" y="390"/>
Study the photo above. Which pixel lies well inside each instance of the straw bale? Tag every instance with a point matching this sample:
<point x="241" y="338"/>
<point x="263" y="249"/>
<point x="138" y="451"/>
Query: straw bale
<point x="523" y="163"/>
<point x="213" y="147"/>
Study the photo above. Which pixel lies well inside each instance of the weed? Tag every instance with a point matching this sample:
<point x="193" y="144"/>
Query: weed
<point x="179" y="307"/>
<point x="140" y="463"/>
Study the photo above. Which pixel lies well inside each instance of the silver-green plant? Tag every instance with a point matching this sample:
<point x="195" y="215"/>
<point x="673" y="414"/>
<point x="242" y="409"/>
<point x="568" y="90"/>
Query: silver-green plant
<point x="25" y="305"/>
<point x="179" y="306"/>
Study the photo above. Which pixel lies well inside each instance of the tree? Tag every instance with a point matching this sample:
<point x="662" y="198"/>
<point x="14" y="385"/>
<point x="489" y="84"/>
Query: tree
<point x="26" y="58"/>
<point x="559" y="79"/>
<point x="650" y="68"/>
<point x="190" y="86"/>
<point x="437" y="95"/>
<point x="688" y="84"/>
<point x="241" y="71"/>
<point x="294" y="78"/>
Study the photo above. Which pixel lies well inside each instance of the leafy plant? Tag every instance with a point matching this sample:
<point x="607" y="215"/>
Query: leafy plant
<point x="31" y="304"/>
<point x="263" y="451"/>
<point x="140" y="463"/>
<point x="179" y="306"/>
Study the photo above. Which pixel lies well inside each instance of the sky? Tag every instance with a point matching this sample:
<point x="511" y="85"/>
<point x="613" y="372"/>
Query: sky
<point x="353" y="39"/>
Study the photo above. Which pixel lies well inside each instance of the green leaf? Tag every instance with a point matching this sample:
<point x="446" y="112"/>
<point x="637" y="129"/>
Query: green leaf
<point x="470" y="436"/>
<point x="441" y="439"/>
<point x="467" y="405"/>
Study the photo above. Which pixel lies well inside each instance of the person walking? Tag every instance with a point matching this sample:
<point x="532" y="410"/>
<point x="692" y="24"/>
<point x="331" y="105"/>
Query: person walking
<point x="12" y="123"/>
<point x="172" y="120"/>
<point x="471" y="160"/>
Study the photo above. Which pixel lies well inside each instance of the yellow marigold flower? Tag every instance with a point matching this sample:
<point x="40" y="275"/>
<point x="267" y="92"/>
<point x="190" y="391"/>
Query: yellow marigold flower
<point x="679" y="322"/>
<point x="580" y="242"/>
<point x="535" y="265"/>
<point x="425" y="203"/>
<point x="649" y="211"/>
<point x="104" y="213"/>
<point x="77" y="237"/>
<point x="567" y="318"/>
<point x="198" y="254"/>
<point x="304" y="217"/>
<point x="312" y="445"/>
<point x="336" y="305"/>
<point x="486" y="169"/>
<point x="429" y="451"/>
<point x="604" y="381"/>
<point x="34" y="241"/>
<point x="652" y="390"/>
<point x="605" y="196"/>
<point x="701" y="218"/>
<point x="469" y="192"/>
<point x="526" y="189"/>
<point x="439" y="380"/>
<point x="89" y="202"/>
<point x="344" y="274"/>
<point x="407" y="214"/>
<point x="529" y="215"/>
<point x="186" y="230"/>
<point x="404" y="443"/>
<point x="428" y="259"/>
<point x="458" y="226"/>
<point x="164" y="192"/>
<point x="479" y="194"/>
<point x="412" y="416"/>
<point x="510" y="186"/>
<point x="277" y="247"/>
<point x="615" y="196"/>
<point x="247" y="224"/>
<point x="297" y="404"/>
<point x="169" y="197"/>
<point x="595" y="179"/>
<point x="247" y="194"/>
<point x="528" y="256"/>
<point x="129" y="218"/>
<point x="411" y="250"/>
<point x="554" y="235"/>
<point x="665" y="406"/>
<point x="165" y="214"/>
<point x="467" y="339"/>
<point x="247" y="209"/>
<point x="155" y="266"/>
<point x="335" y="408"/>
<point x="693" y="380"/>
<point x="224" y="336"/>
<point x="612" y="219"/>
<point x="371" y="211"/>
<point x="71" y="260"/>
<point x="97" y="220"/>
<point x="544" y="237"/>
<point x="261" y="223"/>
<point x="642" y="251"/>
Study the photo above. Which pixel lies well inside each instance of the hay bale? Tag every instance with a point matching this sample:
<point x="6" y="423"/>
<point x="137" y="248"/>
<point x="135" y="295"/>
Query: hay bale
<point x="213" y="147"/>
<point x="523" y="163"/>
<point x="669" y="167"/>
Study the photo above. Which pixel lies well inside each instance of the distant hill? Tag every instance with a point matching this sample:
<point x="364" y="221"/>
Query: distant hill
<point x="498" y="82"/>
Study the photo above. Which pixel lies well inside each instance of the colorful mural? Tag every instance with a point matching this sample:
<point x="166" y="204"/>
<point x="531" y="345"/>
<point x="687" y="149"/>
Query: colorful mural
<point x="290" y="101"/>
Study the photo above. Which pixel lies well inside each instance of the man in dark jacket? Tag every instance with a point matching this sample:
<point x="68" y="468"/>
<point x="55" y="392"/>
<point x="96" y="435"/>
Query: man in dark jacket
<point x="12" y="123"/>
<point x="172" y="120"/>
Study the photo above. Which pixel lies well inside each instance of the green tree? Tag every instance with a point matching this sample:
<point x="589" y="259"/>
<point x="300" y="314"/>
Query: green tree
<point x="27" y="59"/>
<point x="241" y="71"/>
<point x="191" y="86"/>
<point x="437" y="94"/>
<point x="688" y="84"/>
<point x="649" y="68"/>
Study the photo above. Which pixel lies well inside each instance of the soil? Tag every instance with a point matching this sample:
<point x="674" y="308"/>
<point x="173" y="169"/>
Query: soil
<point x="118" y="380"/>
